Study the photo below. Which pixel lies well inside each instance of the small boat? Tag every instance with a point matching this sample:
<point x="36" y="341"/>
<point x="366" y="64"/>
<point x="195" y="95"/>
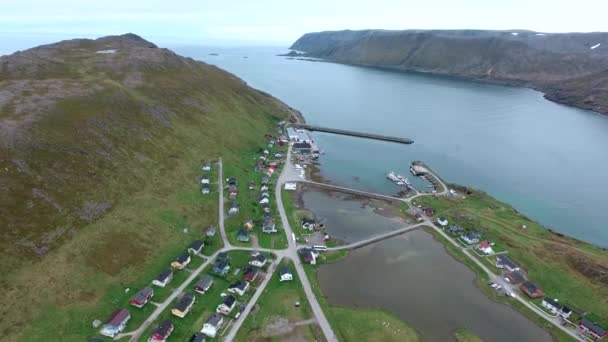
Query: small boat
<point x="392" y="177"/>
<point x="400" y="183"/>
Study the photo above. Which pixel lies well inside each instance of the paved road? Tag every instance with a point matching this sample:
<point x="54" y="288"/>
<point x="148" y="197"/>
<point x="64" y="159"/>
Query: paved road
<point x="377" y="238"/>
<point x="220" y="189"/>
<point x="239" y="321"/>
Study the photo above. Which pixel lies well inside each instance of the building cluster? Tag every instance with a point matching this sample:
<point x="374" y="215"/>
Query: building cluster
<point x="206" y="179"/>
<point x="117" y="321"/>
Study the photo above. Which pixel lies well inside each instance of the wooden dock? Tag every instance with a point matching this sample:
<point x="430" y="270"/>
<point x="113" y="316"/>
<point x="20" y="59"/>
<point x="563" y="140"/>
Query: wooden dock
<point x="353" y="133"/>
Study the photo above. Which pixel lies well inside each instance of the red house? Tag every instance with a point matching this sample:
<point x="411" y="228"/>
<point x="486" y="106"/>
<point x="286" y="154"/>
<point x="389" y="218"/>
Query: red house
<point x="592" y="329"/>
<point x="142" y="297"/>
<point x="531" y="289"/>
<point x="162" y="332"/>
<point x="428" y="211"/>
<point x="250" y="273"/>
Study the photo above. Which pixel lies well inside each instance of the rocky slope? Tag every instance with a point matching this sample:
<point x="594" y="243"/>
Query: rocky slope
<point x="570" y="68"/>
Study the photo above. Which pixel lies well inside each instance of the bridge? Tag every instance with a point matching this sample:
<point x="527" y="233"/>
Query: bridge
<point x="353" y="133"/>
<point x="377" y="238"/>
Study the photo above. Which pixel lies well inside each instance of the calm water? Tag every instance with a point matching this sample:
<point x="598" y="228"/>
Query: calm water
<point x="413" y="277"/>
<point x="547" y="160"/>
<point x="347" y="219"/>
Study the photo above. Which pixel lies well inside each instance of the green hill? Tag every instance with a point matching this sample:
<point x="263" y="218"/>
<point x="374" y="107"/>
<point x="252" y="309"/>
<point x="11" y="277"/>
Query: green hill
<point x="101" y="143"/>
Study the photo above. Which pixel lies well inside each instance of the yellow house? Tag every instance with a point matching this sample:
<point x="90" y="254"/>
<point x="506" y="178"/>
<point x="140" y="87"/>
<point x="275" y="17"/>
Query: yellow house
<point x="184" y="305"/>
<point x="181" y="261"/>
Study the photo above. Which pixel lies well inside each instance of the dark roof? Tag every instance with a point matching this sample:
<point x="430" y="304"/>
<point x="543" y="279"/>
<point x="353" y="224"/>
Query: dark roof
<point x="164" y="275"/>
<point x="260" y="257"/>
<point x="566" y="310"/>
<point x="223" y="256"/>
<point x="239" y="284"/>
<point x="233" y="205"/>
<point x="198" y="244"/>
<point x="182" y="258"/>
<point x="163" y="328"/>
<point x="215" y="318"/>
<point x="142" y="295"/>
<point x="307" y="220"/>
<point x="553" y="303"/>
<point x="301" y="145"/>
<point x="118" y="317"/>
<point x="530" y="287"/>
<point x="204" y="281"/>
<point x="185" y="302"/>
<point x="198" y="337"/>
<point x="506" y="261"/>
<point x="250" y="270"/>
<point x="516" y="276"/>
<point x="242" y="232"/>
<point x="229" y="301"/>
<point x="284" y="270"/>
<point x="596" y="328"/>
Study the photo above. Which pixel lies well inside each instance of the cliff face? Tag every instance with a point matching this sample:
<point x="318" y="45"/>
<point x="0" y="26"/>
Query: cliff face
<point x="553" y="63"/>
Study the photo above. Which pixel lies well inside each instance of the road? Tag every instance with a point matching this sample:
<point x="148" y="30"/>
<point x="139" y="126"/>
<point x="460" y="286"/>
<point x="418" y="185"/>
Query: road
<point x="220" y="189"/>
<point x="287" y="176"/>
<point x="239" y="321"/>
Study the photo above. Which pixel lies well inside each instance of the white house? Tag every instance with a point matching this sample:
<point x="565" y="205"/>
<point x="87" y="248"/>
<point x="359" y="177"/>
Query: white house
<point x="264" y="200"/>
<point x="485" y="247"/>
<point x="442" y="221"/>
<point x="285" y="274"/>
<point x="212" y="325"/>
<point x="258" y="260"/>
<point x="205" y="180"/>
<point x="555" y="307"/>
<point x="227" y="305"/>
<point x="290" y="186"/>
<point x="163" y="278"/>
<point x="240" y="287"/>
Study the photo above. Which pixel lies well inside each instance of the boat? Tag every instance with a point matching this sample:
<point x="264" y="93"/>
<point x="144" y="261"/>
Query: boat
<point x="392" y="177"/>
<point x="404" y="180"/>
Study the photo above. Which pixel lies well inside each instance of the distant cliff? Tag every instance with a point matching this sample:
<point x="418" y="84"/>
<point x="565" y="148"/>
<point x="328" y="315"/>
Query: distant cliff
<point x="571" y="68"/>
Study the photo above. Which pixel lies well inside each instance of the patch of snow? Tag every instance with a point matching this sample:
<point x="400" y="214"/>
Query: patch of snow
<point x="540" y="34"/>
<point x="106" y="51"/>
<point x="514" y="33"/>
<point x="595" y="46"/>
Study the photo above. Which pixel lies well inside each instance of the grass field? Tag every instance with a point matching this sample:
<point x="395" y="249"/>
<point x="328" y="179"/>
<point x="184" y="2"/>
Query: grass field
<point x="276" y="311"/>
<point x="564" y="268"/>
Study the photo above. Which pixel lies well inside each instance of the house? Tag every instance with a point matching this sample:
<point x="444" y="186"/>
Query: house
<point x="278" y="155"/>
<point x="227" y="305"/>
<point x="196" y="246"/>
<point x="232" y="194"/>
<point x="265" y="194"/>
<point x="285" y="274"/>
<point x="203" y="284"/>
<point x="212" y="325"/>
<point x="485" y="247"/>
<point x="592" y="329"/>
<point x="258" y="168"/>
<point x="210" y="231"/>
<point x="221" y="267"/>
<point x="198" y="337"/>
<point x="205" y="179"/>
<point x="455" y="229"/>
<point x="162" y="331"/>
<point x="266" y="152"/>
<point x="242" y="235"/>
<point x="428" y="211"/>
<point x="206" y="167"/>
<point x="419" y="217"/>
<point x="308" y="223"/>
<point x="250" y="273"/>
<point x="181" y="261"/>
<point x="223" y="256"/>
<point x="556" y="308"/>
<point x="302" y="147"/>
<point x="258" y="261"/>
<point x="163" y="278"/>
<point x="269" y="225"/>
<point x="515" y="277"/>
<point x="309" y="256"/>
<point x="205" y="189"/>
<point x="251" y="185"/>
<point x="264" y="188"/>
<point x="232" y="181"/>
<point x="442" y="221"/>
<point x="265" y="180"/>
<point x="142" y="297"/>
<point x="239" y="287"/>
<point x="291" y="186"/>
<point x="531" y="289"/>
<point x="266" y="207"/>
<point x="184" y="305"/>
<point x="506" y="263"/>
<point x="264" y="200"/>
<point x="249" y="225"/>
<point x="471" y="237"/>
<point x="234" y="208"/>
<point x="116" y="323"/>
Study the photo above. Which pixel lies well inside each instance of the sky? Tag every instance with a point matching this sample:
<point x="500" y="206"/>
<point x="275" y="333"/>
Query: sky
<point x="24" y="23"/>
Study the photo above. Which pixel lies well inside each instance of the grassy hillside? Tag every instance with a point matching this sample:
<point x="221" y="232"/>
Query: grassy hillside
<point x="539" y="60"/>
<point x="101" y="151"/>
